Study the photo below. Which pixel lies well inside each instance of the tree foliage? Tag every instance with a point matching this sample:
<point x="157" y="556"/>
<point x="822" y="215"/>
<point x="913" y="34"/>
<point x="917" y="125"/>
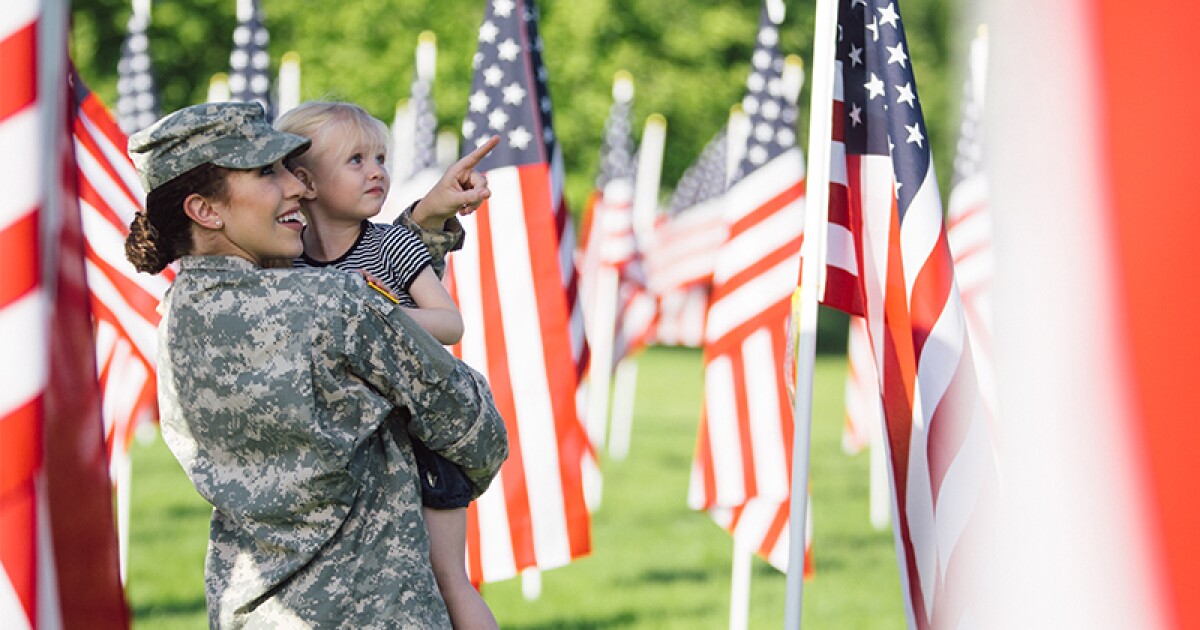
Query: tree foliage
<point x="689" y="60"/>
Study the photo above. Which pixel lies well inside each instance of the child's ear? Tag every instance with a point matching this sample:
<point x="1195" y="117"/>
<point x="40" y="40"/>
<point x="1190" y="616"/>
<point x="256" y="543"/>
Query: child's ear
<point x="202" y="212"/>
<point x="310" y="183"/>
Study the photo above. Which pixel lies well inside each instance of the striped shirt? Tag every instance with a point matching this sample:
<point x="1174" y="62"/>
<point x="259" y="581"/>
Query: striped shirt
<point x="391" y="253"/>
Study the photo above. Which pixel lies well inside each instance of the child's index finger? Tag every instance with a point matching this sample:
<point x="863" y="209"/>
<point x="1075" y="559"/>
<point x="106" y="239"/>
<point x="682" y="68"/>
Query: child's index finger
<point x="473" y="158"/>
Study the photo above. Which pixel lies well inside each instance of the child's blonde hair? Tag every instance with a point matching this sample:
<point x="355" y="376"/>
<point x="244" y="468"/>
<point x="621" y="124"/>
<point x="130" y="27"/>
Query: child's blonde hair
<point x="314" y="118"/>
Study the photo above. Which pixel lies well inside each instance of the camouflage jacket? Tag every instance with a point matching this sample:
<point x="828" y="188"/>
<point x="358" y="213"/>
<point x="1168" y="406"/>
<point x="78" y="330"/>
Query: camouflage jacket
<point x="289" y="398"/>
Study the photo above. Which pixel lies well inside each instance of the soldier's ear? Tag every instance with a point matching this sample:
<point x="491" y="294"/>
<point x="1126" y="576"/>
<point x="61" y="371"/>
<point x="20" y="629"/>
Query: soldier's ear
<point x="201" y="211"/>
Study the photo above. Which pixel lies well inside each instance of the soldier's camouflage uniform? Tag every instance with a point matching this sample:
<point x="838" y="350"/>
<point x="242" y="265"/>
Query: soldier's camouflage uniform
<point x="289" y="396"/>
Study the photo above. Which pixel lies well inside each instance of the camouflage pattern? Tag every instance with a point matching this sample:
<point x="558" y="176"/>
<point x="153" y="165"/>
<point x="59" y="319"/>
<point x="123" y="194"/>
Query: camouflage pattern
<point x="438" y="242"/>
<point x="290" y="398"/>
<point x="232" y="135"/>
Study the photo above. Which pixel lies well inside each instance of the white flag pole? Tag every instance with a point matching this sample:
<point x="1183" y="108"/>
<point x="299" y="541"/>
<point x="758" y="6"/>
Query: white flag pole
<point x="604" y="310"/>
<point x="218" y="88"/>
<point x="645" y="207"/>
<point x="811" y="286"/>
<point x="289" y="82"/>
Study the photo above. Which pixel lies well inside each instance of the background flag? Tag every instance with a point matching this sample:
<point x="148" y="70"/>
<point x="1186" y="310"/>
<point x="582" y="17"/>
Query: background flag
<point x="744" y="443"/>
<point x="680" y="261"/>
<point x="249" y="62"/>
<point x="883" y="186"/>
<point x="969" y="222"/>
<point x="137" y="98"/>
<point x="58" y="552"/>
<point x="413" y="160"/>
<point x="509" y="283"/>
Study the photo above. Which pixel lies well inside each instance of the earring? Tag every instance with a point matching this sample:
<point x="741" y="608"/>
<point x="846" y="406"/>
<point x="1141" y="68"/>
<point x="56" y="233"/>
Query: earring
<point x="218" y="223"/>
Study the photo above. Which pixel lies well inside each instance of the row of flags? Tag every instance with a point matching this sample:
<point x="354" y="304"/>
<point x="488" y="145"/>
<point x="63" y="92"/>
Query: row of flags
<point x="931" y="352"/>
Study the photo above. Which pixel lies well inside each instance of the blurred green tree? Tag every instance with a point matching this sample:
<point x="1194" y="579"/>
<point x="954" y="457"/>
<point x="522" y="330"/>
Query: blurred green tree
<point x="689" y="60"/>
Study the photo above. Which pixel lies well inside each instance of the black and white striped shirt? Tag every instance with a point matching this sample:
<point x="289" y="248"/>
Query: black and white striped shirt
<point x="391" y="253"/>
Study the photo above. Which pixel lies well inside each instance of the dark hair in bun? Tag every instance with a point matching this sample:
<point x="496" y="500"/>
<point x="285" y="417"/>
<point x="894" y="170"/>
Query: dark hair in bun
<point x="163" y="233"/>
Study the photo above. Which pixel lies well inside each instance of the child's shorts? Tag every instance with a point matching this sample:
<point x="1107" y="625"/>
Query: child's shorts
<point x="444" y="486"/>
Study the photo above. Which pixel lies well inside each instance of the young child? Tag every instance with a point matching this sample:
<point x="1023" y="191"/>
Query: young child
<point x="346" y="182"/>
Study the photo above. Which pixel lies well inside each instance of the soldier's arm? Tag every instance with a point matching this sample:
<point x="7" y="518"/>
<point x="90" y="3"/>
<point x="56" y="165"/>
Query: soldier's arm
<point x="440" y="241"/>
<point x="452" y="408"/>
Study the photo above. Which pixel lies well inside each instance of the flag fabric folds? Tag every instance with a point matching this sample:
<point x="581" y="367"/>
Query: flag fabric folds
<point x="508" y="282"/>
<point x="124" y="302"/>
<point x="249" y="61"/>
<point x="883" y="187"/>
<point x="137" y="98"/>
<point x="58" y="552"/>
<point x="745" y="437"/>
<point x="679" y="265"/>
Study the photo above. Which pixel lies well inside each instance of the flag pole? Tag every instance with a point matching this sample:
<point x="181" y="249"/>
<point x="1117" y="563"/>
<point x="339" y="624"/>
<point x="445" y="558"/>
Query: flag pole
<point x="288" y="84"/>
<point x="813" y="256"/>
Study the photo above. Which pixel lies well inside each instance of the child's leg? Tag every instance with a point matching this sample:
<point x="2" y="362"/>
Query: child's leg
<point x="447" y="553"/>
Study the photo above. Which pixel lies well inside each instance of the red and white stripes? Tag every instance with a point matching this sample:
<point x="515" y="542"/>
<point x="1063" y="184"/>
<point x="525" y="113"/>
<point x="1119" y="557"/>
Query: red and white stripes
<point x="508" y="285"/>
<point x="24" y="319"/>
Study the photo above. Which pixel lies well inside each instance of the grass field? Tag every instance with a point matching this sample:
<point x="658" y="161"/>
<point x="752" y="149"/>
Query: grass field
<point x="654" y="563"/>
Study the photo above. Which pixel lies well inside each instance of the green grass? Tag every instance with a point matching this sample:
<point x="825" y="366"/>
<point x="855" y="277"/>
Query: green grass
<point x="654" y="563"/>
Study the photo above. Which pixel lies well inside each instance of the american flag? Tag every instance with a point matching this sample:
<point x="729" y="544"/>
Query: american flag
<point x="883" y="186"/>
<point x="744" y="445"/>
<point x="124" y="302"/>
<point x="610" y="245"/>
<point x="137" y="99"/>
<point x="680" y="261"/>
<point x="58" y="563"/>
<point x="508" y="282"/>
<point x="969" y="221"/>
<point x="250" y="62"/>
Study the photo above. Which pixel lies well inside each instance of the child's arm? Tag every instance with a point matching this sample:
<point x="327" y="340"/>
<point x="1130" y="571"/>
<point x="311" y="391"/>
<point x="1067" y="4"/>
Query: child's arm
<point x="436" y="312"/>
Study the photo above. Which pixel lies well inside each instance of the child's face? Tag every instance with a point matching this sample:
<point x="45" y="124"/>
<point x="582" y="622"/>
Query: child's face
<point x="349" y="173"/>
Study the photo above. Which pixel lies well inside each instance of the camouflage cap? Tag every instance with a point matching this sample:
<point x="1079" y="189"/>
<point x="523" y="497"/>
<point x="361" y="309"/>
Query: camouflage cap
<point x="232" y="135"/>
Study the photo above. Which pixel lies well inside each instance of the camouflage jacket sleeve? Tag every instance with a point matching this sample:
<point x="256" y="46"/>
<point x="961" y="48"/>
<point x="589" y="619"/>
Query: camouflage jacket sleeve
<point x="452" y="408"/>
<point x="440" y="242"/>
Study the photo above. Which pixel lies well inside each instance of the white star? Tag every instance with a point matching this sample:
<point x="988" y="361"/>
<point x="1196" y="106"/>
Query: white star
<point x="757" y="154"/>
<point x="508" y="49"/>
<point x="914" y="134"/>
<point x="874" y="28"/>
<point x="468" y="128"/>
<point x="858" y="2"/>
<point x="541" y="74"/>
<point x="546" y="104"/>
<point x="785" y="137"/>
<point x="548" y="134"/>
<point x="514" y="94"/>
<point x="897" y="54"/>
<point x="488" y="32"/>
<point x="889" y="15"/>
<point x="768" y="37"/>
<point x="855" y="114"/>
<point x="761" y="59"/>
<point x="855" y="56"/>
<point x="756" y="82"/>
<point x="763" y="132"/>
<point x="479" y="101"/>
<point x="750" y="105"/>
<point x="839" y="32"/>
<point x="493" y="75"/>
<point x="770" y="109"/>
<point x="906" y="95"/>
<point x="497" y="119"/>
<point x="503" y="8"/>
<point x="519" y="138"/>
<point x="874" y="86"/>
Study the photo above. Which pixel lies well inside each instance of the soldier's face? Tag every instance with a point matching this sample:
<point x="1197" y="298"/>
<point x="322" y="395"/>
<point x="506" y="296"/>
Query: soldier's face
<point x="262" y="219"/>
